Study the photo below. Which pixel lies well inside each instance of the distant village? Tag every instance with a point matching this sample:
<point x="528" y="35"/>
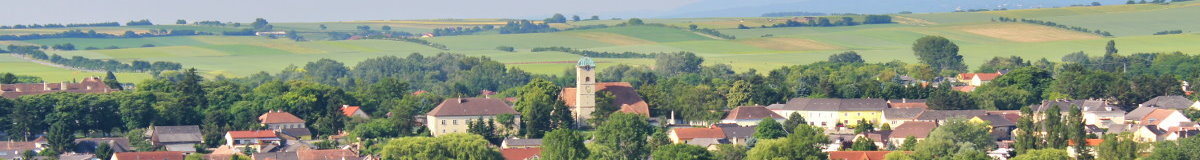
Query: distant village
<point x="285" y="136"/>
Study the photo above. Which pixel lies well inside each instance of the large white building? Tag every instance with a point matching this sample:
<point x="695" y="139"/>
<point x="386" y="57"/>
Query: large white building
<point x="455" y="115"/>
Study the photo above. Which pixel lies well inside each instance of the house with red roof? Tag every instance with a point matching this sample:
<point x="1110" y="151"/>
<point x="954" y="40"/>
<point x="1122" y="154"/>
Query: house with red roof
<point x="858" y="155"/>
<point x="454" y="115"/>
<point x="683" y="135"/>
<point x="1090" y="143"/>
<point x="354" y="112"/>
<point x="278" y="120"/>
<point x="919" y="130"/>
<point x="978" y="79"/>
<point x="624" y="96"/>
<point x="159" y="155"/>
<point x="521" y="153"/>
<point x="751" y="115"/>
<point x="253" y="139"/>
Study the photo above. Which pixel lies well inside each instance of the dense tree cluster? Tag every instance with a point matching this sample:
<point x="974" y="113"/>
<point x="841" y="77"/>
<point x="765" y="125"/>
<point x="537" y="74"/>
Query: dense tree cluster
<point x="830" y="22"/>
<point x="525" y="26"/>
<point x="712" y="32"/>
<point x="34" y="26"/>
<point x="1053" y="24"/>
<point x="557" y="18"/>
<point x="1166" y="32"/>
<point x="793" y="14"/>
<point x="9" y="78"/>
<point x="94" y="64"/>
<point x="453" y="31"/>
<point x="144" y="22"/>
<point x="595" y="54"/>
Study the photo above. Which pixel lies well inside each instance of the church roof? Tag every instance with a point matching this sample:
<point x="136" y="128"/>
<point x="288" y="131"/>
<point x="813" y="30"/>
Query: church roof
<point x="624" y="96"/>
<point x="585" y="61"/>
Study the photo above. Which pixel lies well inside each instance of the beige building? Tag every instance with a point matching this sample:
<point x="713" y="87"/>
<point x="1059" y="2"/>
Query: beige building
<point x="278" y="120"/>
<point x="455" y="115"/>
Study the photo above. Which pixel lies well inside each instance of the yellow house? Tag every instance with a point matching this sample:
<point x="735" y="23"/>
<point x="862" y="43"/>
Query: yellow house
<point x="827" y="112"/>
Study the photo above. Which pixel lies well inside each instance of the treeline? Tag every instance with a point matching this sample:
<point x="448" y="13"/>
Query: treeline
<point x="94" y="34"/>
<point x="827" y="22"/>
<point x="422" y="42"/>
<point x="525" y="26"/>
<point x="710" y="31"/>
<point x="1166" y="32"/>
<point x="93" y="64"/>
<point x="144" y="22"/>
<point x="1053" y="24"/>
<point x="595" y="54"/>
<point x="452" y="31"/>
<point x="101" y="24"/>
<point x="793" y="14"/>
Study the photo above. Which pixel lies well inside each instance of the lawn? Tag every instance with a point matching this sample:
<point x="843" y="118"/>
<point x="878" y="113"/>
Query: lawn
<point x="19" y="66"/>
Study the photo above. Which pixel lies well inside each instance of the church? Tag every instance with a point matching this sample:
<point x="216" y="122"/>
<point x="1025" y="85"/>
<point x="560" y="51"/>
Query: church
<point x="582" y="98"/>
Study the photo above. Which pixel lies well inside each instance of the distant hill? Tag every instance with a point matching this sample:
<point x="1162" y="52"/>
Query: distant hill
<point x="752" y="8"/>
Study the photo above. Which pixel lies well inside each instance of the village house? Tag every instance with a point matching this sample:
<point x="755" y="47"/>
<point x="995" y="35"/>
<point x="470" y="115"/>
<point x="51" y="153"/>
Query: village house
<point x="88" y="85"/>
<point x="327" y="154"/>
<point x="940" y="116"/>
<point x="736" y="134"/>
<point x="1150" y="124"/>
<point x="520" y="143"/>
<point x="521" y="153"/>
<point x="1095" y="112"/>
<point x="158" y="155"/>
<point x="977" y="79"/>
<point x="684" y="135"/>
<point x="897" y="116"/>
<point x="1171" y="102"/>
<point x="880" y="138"/>
<point x="907" y="103"/>
<point x="354" y="112"/>
<point x="88" y="145"/>
<point x="829" y="112"/>
<point x="176" y="138"/>
<point x="1092" y="143"/>
<point x="253" y="139"/>
<point x="1001" y="128"/>
<point x="721" y="133"/>
<point x="858" y="155"/>
<point x="13" y="149"/>
<point x="455" y="114"/>
<point x="917" y="129"/>
<point x="582" y="98"/>
<point x="278" y="119"/>
<point x="751" y="115"/>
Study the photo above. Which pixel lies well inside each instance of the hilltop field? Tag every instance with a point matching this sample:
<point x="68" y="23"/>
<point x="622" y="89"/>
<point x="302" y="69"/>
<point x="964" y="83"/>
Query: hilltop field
<point x="978" y="34"/>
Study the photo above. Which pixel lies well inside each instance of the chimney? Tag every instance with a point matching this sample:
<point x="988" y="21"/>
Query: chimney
<point x="345" y="106"/>
<point x="903" y="100"/>
<point x="64" y="86"/>
<point x="45" y="86"/>
<point x="461" y="100"/>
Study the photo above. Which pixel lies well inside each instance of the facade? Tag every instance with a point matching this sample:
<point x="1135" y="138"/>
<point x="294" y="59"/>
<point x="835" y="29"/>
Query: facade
<point x="978" y="79"/>
<point x="13" y="150"/>
<point x="585" y="93"/>
<point x="455" y="114"/>
<point x="277" y="120"/>
<point x="253" y="139"/>
<point x="897" y="116"/>
<point x="751" y="115"/>
<point x="1096" y="112"/>
<point x="683" y="135"/>
<point x="828" y="112"/>
<point x="88" y="85"/>
<point x="918" y="130"/>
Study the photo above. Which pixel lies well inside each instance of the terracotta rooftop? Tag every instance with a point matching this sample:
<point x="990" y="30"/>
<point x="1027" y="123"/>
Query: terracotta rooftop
<point x="472" y="107"/>
<point x="692" y="133"/>
<point x="858" y="155"/>
<point x="751" y="113"/>
<point x="918" y="129"/>
<point x="1090" y="142"/>
<point x="1157" y="116"/>
<point x="624" y="96"/>
<point x="967" y="88"/>
<point x="275" y="117"/>
<point x="253" y="134"/>
<point x="349" y="110"/>
<point x="328" y="154"/>
<point x="521" y="153"/>
<point x="159" y="155"/>
<point x="987" y="76"/>
<point x="88" y="85"/>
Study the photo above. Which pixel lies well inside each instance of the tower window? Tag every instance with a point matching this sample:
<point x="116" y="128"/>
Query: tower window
<point x="587" y="79"/>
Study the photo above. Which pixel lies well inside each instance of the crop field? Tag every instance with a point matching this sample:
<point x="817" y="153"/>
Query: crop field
<point x="9" y="63"/>
<point x="761" y="49"/>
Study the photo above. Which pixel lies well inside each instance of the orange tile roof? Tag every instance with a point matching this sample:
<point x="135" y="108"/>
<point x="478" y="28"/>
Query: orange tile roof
<point x="253" y="134"/>
<point x="1090" y="142"/>
<point x="693" y="133"/>
<point x="520" y="153"/>
<point x="921" y="105"/>
<point x="625" y="96"/>
<point x="1158" y="115"/>
<point x="279" y="117"/>
<point x="349" y="110"/>
<point x="160" y="155"/>
<point x="967" y="88"/>
<point x="327" y="154"/>
<point x="858" y="155"/>
<point x="987" y="76"/>
<point x="751" y="112"/>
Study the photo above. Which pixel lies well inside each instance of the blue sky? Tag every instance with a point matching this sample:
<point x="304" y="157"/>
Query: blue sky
<point x="166" y="11"/>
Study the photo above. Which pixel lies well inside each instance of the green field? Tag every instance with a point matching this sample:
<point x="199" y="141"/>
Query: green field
<point x="763" y="49"/>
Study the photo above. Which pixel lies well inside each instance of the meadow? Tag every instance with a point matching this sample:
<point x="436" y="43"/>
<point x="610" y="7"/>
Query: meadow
<point x="761" y="49"/>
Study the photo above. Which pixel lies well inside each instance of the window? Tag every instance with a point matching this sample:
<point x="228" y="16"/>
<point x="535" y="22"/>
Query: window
<point x="455" y="122"/>
<point x="443" y="123"/>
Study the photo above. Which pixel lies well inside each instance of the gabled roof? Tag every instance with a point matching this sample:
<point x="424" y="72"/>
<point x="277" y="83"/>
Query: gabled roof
<point x="253" y="134"/>
<point x="327" y="154"/>
<point x="159" y="155"/>
<point x="858" y="155"/>
<point x="522" y="142"/>
<point x="1157" y="116"/>
<point x="168" y="134"/>
<point x="693" y="133"/>
<point x="1139" y="113"/>
<point x="902" y="113"/>
<point x="624" y="96"/>
<point x="996" y="120"/>
<point x="987" y="76"/>
<point x="736" y="131"/>
<point x="349" y="110"/>
<point x="1084" y="105"/>
<point x="472" y="107"/>
<point x="520" y="153"/>
<point x="276" y="117"/>
<point x="751" y="113"/>
<point x="296" y="132"/>
<point x="276" y="156"/>
<point x="832" y="104"/>
<point x="1090" y="142"/>
<point x="1172" y="102"/>
<point x="918" y="129"/>
<point x="937" y="115"/>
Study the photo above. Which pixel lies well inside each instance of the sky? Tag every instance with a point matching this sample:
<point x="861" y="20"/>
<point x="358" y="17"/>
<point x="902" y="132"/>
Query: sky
<point x="167" y="11"/>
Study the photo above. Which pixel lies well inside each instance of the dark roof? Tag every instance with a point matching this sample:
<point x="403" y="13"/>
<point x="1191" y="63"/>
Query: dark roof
<point x="1173" y="102"/>
<point x="735" y="131"/>
<point x="937" y="115"/>
<point x="996" y="120"/>
<point x="167" y="134"/>
<point x="296" y="132"/>
<point x="472" y="107"/>
<point x="902" y="113"/>
<point x="1084" y="105"/>
<point x="523" y="142"/>
<point x="1138" y="113"/>
<point x="831" y="104"/>
<point x="276" y="156"/>
<point x="88" y="145"/>
<point x="916" y="129"/>
<point x="752" y="112"/>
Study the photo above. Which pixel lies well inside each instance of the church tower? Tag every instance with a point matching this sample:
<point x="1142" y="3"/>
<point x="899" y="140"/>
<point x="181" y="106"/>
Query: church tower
<point x="585" y="89"/>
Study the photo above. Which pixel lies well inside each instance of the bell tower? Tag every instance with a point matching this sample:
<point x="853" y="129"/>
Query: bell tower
<point x="585" y="89"/>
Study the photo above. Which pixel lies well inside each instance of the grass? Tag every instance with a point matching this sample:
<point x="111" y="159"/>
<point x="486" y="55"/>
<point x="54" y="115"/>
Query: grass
<point x="19" y="66"/>
<point x="81" y="43"/>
